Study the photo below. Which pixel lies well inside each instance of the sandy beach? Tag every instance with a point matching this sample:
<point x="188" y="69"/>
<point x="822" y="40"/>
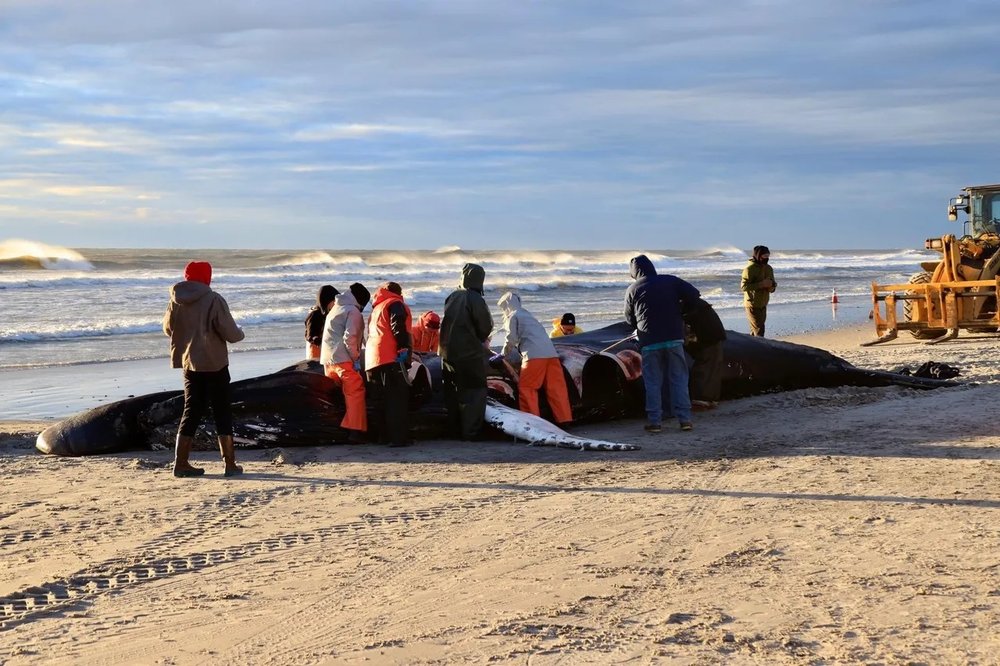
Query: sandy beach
<point x="821" y="526"/>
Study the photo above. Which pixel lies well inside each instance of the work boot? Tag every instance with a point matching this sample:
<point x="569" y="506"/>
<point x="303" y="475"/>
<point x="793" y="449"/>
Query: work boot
<point x="182" y="468"/>
<point x="228" y="450"/>
<point x="356" y="437"/>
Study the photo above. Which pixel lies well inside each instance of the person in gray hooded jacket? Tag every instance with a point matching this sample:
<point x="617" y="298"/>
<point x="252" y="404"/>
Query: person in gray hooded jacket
<point x="540" y="365"/>
<point x="464" y="348"/>
<point x="340" y="355"/>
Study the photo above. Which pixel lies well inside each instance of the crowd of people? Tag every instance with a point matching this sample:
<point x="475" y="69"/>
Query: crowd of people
<point x="370" y="361"/>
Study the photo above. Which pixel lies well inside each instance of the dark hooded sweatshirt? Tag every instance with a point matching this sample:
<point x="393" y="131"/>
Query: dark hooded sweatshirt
<point x="705" y="325"/>
<point x="467" y="322"/>
<point x="653" y="303"/>
<point x="317" y="315"/>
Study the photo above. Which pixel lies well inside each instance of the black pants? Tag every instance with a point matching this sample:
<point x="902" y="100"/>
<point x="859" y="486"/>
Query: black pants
<point x="202" y="389"/>
<point x="706" y="374"/>
<point x="390" y="399"/>
<point x="465" y="397"/>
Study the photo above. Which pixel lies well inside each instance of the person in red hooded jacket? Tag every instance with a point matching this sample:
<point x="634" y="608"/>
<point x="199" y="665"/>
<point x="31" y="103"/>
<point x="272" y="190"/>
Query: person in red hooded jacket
<point x="426" y="333"/>
<point x="199" y="325"/>
<point x="387" y="358"/>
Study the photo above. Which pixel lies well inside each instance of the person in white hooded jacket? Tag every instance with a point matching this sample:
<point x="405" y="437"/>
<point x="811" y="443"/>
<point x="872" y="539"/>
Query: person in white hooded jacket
<point x="540" y="366"/>
<point x="340" y="354"/>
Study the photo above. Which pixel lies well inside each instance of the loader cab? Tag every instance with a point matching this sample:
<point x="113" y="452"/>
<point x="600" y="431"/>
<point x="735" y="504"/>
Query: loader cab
<point x="982" y="205"/>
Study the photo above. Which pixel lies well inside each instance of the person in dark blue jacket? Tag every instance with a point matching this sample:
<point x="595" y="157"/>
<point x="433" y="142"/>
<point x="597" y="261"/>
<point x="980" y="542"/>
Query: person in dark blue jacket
<point x="653" y="306"/>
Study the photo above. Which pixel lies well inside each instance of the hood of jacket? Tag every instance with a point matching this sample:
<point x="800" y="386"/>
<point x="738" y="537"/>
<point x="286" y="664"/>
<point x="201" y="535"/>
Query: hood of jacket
<point x="473" y="277"/>
<point x="383" y="295"/>
<point x="509" y="303"/>
<point x="325" y="294"/>
<point x="431" y="320"/>
<point x="345" y="300"/>
<point x="641" y="267"/>
<point x="188" y="291"/>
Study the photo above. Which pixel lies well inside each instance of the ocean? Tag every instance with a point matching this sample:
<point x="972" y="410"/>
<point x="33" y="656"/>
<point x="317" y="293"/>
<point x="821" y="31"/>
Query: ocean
<point x="71" y="307"/>
<point x="99" y="305"/>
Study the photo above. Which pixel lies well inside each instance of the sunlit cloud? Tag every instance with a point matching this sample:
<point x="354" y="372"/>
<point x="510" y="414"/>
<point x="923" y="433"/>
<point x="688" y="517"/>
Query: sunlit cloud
<point x="556" y="122"/>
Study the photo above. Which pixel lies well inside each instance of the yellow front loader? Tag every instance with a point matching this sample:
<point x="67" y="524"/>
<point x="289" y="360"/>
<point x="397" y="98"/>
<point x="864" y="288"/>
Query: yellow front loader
<point x="960" y="291"/>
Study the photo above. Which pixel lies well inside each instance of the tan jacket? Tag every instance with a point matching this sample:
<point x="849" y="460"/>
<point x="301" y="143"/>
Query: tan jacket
<point x="199" y="324"/>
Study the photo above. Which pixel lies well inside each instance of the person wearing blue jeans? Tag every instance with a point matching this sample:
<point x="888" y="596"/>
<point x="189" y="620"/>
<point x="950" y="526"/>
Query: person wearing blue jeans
<point x="665" y="377"/>
<point x="653" y="306"/>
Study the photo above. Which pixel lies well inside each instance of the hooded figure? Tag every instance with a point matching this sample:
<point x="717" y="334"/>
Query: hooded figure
<point x="757" y="284"/>
<point x="653" y="306"/>
<point x="540" y="366"/>
<point x="705" y="347"/>
<point x="426" y="333"/>
<point x="200" y="325"/>
<point x="466" y="328"/>
<point x="315" y="320"/>
<point x="341" y="358"/>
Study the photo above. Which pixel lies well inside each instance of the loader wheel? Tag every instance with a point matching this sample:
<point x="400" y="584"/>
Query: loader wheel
<point x="909" y="308"/>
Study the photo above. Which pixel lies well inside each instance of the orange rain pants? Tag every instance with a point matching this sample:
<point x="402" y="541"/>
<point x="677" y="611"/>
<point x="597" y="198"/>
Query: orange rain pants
<point x="312" y="351"/>
<point x="544" y="373"/>
<point x="353" y="387"/>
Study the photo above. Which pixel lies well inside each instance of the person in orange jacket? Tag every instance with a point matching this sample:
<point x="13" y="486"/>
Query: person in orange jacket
<point x="341" y="356"/>
<point x="426" y="333"/>
<point x="387" y="358"/>
<point x="540" y="365"/>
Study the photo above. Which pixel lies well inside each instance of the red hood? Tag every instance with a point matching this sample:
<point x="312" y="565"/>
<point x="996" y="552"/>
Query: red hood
<point x="430" y="319"/>
<point x="383" y="295"/>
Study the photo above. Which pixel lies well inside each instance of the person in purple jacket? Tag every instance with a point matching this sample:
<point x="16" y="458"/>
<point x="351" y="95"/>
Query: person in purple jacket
<point x="653" y="306"/>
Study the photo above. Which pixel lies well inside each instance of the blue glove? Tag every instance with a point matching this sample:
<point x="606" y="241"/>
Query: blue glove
<point x="403" y="356"/>
<point x="357" y="365"/>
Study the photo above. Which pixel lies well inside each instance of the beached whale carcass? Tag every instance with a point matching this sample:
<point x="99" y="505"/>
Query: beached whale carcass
<point x="299" y="406"/>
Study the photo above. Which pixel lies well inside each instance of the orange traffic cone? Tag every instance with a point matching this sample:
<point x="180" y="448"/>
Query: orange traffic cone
<point x="834" y="299"/>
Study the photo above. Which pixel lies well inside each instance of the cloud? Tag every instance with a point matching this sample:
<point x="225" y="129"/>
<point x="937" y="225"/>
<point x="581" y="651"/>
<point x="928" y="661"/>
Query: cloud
<point x="549" y="119"/>
<point x="339" y="131"/>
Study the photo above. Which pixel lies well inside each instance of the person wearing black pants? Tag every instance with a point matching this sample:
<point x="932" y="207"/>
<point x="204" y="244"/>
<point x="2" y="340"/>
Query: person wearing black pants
<point x="390" y="397"/>
<point x="387" y="358"/>
<point x="204" y="389"/>
<point x="465" y="397"/>
<point x="464" y="348"/>
<point x="199" y="325"/>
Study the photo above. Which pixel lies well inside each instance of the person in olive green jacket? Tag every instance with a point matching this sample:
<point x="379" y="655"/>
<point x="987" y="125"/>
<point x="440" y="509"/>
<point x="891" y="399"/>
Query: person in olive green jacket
<point x="466" y="328"/>
<point x="757" y="284"/>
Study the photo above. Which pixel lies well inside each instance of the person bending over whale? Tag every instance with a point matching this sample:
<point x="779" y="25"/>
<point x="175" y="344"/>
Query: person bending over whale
<point x="540" y="365"/>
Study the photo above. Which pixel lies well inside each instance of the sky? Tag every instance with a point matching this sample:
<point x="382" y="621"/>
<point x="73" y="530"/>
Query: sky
<point x="564" y="124"/>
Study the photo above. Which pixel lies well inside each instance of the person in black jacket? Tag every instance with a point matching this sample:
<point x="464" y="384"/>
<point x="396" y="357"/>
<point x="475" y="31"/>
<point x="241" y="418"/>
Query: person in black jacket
<point x="653" y="306"/>
<point x="315" y="320"/>
<point x="705" y="347"/>
<point x="464" y="348"/>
